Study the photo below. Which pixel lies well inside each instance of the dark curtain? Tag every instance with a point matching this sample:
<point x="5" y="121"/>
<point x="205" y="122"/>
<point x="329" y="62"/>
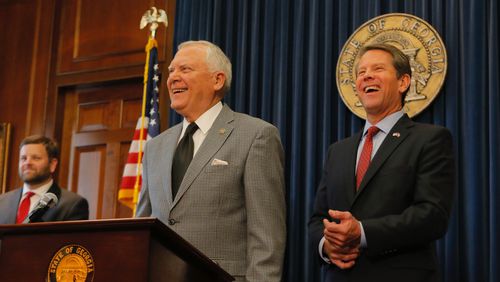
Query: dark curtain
<point x="284" y="55"/>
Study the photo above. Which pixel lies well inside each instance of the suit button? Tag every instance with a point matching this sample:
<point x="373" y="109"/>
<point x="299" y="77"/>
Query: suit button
<point x="171" y="221"/>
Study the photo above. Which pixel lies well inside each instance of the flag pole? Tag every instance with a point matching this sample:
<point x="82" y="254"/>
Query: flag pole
<point x="153" y="16"/>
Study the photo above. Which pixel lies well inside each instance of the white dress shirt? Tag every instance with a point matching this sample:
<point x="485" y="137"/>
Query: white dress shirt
<point x="204" y="122"/>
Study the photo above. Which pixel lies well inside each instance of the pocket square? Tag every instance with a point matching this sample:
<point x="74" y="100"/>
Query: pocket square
<point x="218" y="162"/>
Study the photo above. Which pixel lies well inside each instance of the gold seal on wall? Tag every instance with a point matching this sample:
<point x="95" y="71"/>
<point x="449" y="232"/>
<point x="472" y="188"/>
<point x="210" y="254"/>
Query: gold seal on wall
<point x="417" y="39"/>
<point x="71" y="263"/>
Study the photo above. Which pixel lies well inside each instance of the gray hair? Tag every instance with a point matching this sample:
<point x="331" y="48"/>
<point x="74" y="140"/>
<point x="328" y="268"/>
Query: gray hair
<point x="216" y="60"/>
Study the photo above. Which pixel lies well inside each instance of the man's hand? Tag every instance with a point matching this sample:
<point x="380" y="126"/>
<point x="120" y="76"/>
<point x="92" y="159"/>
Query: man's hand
<point x="342" y="240"/>
<point x="343" y="258"/>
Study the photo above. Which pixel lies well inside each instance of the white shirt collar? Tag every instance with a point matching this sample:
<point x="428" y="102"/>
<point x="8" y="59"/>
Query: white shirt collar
<point x="206" y="120"/>
<point x="40" y="191"/>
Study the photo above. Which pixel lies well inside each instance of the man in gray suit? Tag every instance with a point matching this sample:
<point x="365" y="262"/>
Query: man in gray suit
<point x="37" y="162"/>
<point x="229" y="203"/>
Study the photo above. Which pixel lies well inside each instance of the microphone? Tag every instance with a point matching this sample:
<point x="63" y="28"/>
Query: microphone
<point x="47" y="201"/>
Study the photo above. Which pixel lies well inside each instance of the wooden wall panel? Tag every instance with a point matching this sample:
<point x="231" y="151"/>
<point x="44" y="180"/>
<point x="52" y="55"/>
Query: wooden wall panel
<point x="103" y="34"/>
<point x="25" y="54"/>
<point x="89" y="178"/>
<point x="130" y="110"/>
<point x="93" y="117"/>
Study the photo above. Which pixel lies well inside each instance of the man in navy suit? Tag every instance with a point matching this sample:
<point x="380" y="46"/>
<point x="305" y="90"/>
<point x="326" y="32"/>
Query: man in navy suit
<point x="380" y="208"/>
<point x="37" y="162"/>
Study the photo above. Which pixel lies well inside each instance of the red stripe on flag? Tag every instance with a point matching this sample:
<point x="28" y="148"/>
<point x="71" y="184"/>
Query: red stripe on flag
<point x="137" y="133"/>
<point x="133" y="157"/>
<point x="128" y="182"/>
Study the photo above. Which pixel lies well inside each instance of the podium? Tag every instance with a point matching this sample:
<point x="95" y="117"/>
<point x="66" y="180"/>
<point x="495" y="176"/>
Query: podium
<point x="139" y="249"/>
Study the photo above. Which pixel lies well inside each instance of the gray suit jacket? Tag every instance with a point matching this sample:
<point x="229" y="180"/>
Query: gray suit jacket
<point x="70" y="206"/>
<point x="233" y="213"/>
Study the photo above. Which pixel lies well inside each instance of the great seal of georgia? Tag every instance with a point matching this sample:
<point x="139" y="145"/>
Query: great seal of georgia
<point x="417" y="39"/>
<point x="71" y="263"/>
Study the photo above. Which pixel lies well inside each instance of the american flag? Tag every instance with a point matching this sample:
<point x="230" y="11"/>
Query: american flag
<point x="149" y="122"/>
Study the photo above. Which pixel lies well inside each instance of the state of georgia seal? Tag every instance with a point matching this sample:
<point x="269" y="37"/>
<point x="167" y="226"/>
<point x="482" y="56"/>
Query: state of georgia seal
<point x="417" y="39"/>
<point x="71" y="263"/>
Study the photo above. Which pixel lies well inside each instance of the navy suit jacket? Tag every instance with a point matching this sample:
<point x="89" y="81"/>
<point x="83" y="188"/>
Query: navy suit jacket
<point x="403" y="202"/>
<point x="70" y="206"/>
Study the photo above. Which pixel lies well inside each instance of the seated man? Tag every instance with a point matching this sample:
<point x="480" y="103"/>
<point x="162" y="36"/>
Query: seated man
<point x="37" y="162"/>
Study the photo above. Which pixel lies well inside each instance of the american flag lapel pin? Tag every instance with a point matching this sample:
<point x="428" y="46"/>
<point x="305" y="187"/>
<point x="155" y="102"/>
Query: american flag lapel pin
<point x="396" y="134"/>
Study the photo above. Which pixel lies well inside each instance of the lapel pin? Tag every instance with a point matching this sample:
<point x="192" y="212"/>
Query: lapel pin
<point x="396" y="134"/>
<point x="222" y="131"/>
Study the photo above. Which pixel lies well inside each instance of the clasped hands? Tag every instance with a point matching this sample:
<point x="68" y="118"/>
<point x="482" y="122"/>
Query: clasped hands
<point x="342" y="240"/>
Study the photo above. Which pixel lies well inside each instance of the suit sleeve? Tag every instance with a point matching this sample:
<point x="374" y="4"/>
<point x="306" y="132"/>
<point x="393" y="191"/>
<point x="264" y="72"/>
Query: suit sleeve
<point x="79" y="210"/>
<point x="265" y="206"/>
<point x="426" y="219"/>
<point x="143" y="208"/>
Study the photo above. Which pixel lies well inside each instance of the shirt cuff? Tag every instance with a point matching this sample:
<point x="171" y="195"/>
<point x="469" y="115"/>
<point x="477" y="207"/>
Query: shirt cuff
<point x="320" y="249"/>
<point x="363" y="243"/>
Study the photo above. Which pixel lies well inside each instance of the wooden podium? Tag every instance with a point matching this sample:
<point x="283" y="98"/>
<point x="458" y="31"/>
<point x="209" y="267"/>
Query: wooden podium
<point x="141" y="249"/>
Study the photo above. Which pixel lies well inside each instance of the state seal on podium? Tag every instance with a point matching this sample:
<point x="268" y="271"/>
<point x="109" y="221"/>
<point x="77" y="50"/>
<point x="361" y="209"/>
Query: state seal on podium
<point x="71" y="263"/>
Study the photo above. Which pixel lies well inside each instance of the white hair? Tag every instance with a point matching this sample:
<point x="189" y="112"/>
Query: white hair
<point x="216" y="60"/>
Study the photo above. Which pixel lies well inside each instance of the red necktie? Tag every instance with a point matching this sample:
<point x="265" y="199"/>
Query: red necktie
<point x="24" y="207"/>
<point x="366" y="155"/>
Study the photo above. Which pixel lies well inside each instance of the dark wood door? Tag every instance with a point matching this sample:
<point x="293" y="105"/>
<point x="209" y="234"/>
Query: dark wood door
<point x="99" y="122"/>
